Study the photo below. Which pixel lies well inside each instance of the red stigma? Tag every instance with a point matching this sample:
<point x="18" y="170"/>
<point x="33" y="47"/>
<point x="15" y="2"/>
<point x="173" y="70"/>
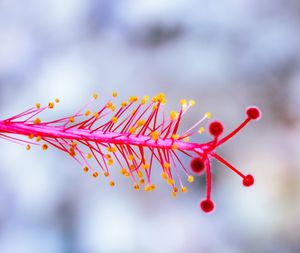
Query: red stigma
<point x="207" y="205"/>
<point x="248" y="180"/>
<point x="216" y="128"/>
<point x="197" y="165"/>
<point x="253" y="113"/>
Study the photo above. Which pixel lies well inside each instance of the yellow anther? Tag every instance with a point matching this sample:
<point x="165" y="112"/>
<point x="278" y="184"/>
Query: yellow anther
<point x="164" y="175"/>
<point x="38" y="138"/>
<point x="112" y="149"/>
<point x="72" y="119"/>
<point x="140" y="174"/>
<point x="28" y="147"/>
<point x="186" y="138"/>
<point x="44" y="147"/>
<point x="108" y="156"/>
<point x="72" y="152"/>
<point x="175" y="189"/>
<point x="89" y="156"/>
<point x="127" y="174"/>
<point x="140" y="123"/>
<point x="167" y="165"/>
<point x="109" y="104"/>
<point x="112" y="108"/>
<point x="114" y="119"/>
<point x="154" y="135"/>
<point x="146" y="166"/>
<point x="133" y="112"/>
<point x="132" y="167"/>
<point x="133" y="99"/>
<point x="147" y="187"/>
<point x="95" y="95"/>
<point x="86" y="169"/>
<point x="123" y="104"/>
<point x="73" y="144"/>
<point x="87" y="113"/>
<point x="173" y="115"/>
<point x="174" y="147"/>
<point x="38" y="105"/>
<point x="192" y="102"/>
<point x="183" y="103"/>
<point x="123" y="171"/>
<point x="201" y="130"/>
<point x="130" y="157"/>
<point x="114" y="94"/>
<point x="161" y="98"/>
<point x="96" y="115"/>
<point x="110" y="162"/>
<point x="175" y="136"/>
<point x="152" y="187"/>
<point x="184" y="189"/>
<point x="136" y="186"/>
<point x="208" y="115"/>
<point x="142" y="181"/>
<point x="56" y="100"/>
<point x="31" y="136"/>
<point x="132" y="130"/>
<point x="37" y="121"/>
<point x="51" y="105"/>
<point x="190" y="179"/>
<point x="112" y="183"/>
<point x="106" y="174"/>
<point x="144" y="100"/>
<point x="170" y="181"/>
<point x="95" y="174"/>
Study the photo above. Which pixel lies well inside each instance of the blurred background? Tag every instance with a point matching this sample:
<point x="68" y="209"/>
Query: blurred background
<point x="224" y="54"/>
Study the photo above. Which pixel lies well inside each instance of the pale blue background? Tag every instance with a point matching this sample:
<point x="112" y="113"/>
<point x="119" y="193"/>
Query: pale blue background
<point x="224" y="54"/>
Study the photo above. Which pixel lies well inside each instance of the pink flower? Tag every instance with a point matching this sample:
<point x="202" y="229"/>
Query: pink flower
<point x="135" y="136"/>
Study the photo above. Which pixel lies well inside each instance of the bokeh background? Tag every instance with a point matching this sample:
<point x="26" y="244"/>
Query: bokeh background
<point x="224" y="54"/>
